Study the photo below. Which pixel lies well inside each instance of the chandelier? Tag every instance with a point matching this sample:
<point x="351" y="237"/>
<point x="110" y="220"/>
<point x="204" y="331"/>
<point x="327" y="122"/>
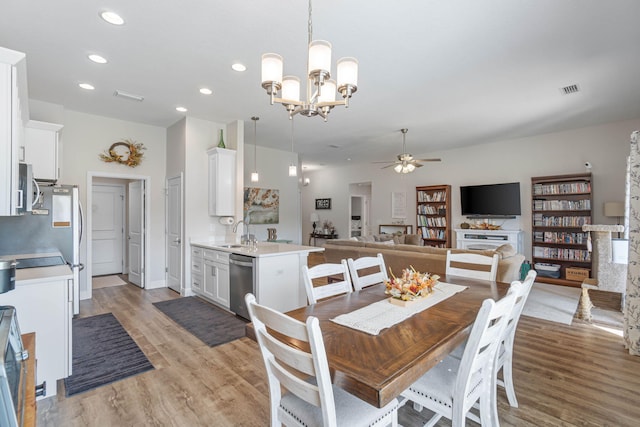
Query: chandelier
<point x="321" y="89"/>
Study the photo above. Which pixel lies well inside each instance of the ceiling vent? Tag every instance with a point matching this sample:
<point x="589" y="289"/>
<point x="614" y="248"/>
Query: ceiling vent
<point x="568" y="90"/>
<point x="334" y="146"/>
<point x="129" y="96"/>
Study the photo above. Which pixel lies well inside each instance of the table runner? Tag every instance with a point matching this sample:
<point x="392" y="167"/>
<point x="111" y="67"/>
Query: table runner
<point x="382" y="314"/>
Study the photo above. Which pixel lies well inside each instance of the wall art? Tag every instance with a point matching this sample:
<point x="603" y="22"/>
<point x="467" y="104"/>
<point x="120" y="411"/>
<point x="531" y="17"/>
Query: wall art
<point x="261" y="206"/>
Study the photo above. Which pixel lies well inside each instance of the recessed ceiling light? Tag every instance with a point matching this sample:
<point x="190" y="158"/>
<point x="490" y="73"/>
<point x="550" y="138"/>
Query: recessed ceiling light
<point x="112" y="17"/>
<point x="238" y="67"/>
<point x="97" y="59"/>
<point x="181" y="109"/>
<point x="206" y="91"/>
<point x="86" y="86"/>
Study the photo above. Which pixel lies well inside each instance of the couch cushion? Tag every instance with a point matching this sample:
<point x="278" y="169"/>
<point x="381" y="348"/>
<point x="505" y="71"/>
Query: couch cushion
<point x="344" y="242"/>
<point x="383" y="237"/>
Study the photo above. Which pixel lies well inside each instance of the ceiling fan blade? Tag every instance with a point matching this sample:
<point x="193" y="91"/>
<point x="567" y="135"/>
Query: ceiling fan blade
<point x="388" y="166"/>
<point x="386" y="162"/>
<point x="418" y="165"/>
<point x="428" y="160"/>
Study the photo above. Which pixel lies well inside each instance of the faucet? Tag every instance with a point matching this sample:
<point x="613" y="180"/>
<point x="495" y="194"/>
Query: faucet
<point x="245" y="237"/>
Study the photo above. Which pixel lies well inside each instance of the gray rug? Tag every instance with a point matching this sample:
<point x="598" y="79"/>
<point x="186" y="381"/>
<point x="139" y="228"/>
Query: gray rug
<point x="212" y="325"/>
<point x="103" y="352"/>
<point x="552" y="302"/>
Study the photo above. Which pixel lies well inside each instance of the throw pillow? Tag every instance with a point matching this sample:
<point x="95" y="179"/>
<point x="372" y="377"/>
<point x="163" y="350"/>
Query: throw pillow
<point x="507" y="250"/>
<point x="388" y="242"/>
<point x="412" y="239"/>
<point x="399" y="239"/>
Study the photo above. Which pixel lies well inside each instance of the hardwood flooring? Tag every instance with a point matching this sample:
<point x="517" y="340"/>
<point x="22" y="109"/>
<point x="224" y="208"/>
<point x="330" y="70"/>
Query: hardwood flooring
<point x="578" y="375"/>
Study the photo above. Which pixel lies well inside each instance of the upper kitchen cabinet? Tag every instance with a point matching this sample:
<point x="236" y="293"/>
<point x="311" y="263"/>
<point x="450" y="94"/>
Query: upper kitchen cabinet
<point x="222" y="181"/>
<point x="41" y="149"/>
<point x="14" y="114"/>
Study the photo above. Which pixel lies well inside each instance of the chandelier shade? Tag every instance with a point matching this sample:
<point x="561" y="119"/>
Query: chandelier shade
<point x="321" y="90"/>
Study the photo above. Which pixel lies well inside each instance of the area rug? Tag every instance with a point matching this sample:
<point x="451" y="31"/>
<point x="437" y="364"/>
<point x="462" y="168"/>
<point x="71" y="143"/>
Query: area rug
<point x="106" y="281"/>
<point x="212" y="325"/>
<point x="552" y="302"/>
<point x="103" y="352"/>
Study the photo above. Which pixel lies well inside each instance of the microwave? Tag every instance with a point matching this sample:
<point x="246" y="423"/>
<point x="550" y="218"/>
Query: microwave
<point x="13" y="369"/>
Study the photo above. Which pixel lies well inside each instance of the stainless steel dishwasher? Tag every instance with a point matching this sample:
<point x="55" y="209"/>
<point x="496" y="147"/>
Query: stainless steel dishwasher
<point x="241" y="279"/>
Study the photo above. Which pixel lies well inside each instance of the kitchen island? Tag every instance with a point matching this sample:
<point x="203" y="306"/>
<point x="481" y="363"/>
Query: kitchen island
<point x="277" y="279"/>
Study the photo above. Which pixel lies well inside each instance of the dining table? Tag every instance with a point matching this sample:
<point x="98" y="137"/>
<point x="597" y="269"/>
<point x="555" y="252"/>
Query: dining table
<point x="377" y="368"/>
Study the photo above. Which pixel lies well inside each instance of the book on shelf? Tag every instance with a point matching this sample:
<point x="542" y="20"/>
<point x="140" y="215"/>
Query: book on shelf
<point x="562" y="188"/>
<point x="562" y="205"/>
<point x="432" y="196"/>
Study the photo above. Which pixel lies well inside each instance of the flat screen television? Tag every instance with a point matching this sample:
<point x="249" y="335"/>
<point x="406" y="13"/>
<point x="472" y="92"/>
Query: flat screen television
<point x="491" y="200"/>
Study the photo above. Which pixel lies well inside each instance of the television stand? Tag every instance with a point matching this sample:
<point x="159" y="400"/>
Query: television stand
<point x="488" y="239"/>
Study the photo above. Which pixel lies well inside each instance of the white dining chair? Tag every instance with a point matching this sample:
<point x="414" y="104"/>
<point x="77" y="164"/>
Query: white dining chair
<point x="314" y="400"/>
<point x="504" y="359"/>
<point x="361" y="271"/>
<point x="453" y="386"/>
<point x="472" y="265"/>
<point x="336" y="277"/>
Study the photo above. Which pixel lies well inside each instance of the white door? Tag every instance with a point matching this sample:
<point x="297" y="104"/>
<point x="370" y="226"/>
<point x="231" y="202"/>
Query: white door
<point x="136" y="233"/>
<point x="107" y="229"/>
<point x="174" y="233"/>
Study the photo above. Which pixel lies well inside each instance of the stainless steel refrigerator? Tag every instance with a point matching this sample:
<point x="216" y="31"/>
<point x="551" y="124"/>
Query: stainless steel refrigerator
<point x="53" y="226"/>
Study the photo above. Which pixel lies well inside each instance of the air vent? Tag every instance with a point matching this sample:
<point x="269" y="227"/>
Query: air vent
<point x="129" y="96"/>
<point x="568" y="90"/>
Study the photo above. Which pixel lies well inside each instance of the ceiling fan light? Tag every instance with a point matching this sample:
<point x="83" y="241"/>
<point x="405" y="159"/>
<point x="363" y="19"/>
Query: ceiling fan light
<point x="411" y="167"/>
<point x="291" y="88"/>
<point x="398" y="168"/>
<point x="272" y="66"/>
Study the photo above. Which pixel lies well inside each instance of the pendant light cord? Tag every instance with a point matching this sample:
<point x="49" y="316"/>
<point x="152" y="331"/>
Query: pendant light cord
<point x="255" y="121"/>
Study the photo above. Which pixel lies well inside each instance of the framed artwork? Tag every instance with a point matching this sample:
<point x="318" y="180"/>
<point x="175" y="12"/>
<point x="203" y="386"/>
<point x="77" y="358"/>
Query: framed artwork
<point x="398" y="204"/>
<point x="261" y="206"/>
<point x="323" y="203"/>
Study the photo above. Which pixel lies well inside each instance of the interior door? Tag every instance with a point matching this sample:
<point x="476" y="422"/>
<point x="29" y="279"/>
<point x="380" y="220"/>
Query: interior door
<point x="107" y="229"/>
<point x="136" y="233"/>
<point x="174" y="233"/>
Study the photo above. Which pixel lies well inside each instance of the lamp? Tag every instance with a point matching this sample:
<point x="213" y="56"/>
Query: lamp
<point x="254" y="175"/>
<point x="314" y="219"/>
<point x="323" y="99"/>
<point x="614" y="209"/>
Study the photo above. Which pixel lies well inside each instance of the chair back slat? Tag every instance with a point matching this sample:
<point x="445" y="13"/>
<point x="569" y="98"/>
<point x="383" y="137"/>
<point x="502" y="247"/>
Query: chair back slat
<point x="472" y="265"/>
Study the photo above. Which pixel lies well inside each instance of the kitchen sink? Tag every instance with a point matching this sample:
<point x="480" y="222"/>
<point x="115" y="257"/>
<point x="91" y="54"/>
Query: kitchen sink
<point x="230" y="246"/>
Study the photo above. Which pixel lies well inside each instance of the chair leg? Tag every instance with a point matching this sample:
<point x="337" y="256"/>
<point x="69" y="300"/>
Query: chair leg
<point x="507" y="374"/>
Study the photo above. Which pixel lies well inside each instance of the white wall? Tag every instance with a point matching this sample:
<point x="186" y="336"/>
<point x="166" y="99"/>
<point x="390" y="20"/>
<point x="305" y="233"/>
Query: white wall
<point x="273" y="168"/>
<point x="518" y="160"/>
<point x="85" y="137"/>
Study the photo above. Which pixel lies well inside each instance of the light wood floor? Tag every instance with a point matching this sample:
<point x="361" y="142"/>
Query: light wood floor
<point x="576" y="375"/>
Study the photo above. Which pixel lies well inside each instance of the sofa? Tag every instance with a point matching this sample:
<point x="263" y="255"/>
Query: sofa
<point x="423" y="258"/>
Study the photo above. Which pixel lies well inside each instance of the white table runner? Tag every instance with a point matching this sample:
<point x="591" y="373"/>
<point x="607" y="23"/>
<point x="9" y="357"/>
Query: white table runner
<point x="382" y="314"/>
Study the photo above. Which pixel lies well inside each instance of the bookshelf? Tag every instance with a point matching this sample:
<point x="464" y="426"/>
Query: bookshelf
<point x="560" y="206"/>
<point x="433" y="215"/>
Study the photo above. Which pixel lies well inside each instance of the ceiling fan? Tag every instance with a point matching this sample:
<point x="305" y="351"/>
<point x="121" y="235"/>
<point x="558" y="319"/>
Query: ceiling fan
<point x="406" y="163"/>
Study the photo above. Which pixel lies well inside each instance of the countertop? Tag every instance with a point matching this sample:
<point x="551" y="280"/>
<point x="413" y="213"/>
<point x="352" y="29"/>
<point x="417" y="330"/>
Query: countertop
<point x="265" y="249"/>
<point x="27" y="276"/>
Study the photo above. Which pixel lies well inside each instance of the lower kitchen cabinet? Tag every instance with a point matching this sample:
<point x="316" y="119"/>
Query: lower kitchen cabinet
<point x="46" y="307"/>
<point x="210" y="275"/>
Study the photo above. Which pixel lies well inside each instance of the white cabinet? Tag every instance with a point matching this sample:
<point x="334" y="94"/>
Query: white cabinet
<point x="210" y="275"/>
<point x="222" y="181"/>
<point x="14" y="113"/>
<point x="488" y="239"/>
<point x="41" y="149"/>
<point x="46" y="308"/>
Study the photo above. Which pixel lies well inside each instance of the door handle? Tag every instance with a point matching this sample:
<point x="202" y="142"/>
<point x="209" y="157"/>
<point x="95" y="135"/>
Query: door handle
<point x="177" y="240"/>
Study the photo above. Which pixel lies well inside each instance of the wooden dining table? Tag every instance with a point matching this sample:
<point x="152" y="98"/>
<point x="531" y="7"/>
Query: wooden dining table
<point x="377" y="368"/>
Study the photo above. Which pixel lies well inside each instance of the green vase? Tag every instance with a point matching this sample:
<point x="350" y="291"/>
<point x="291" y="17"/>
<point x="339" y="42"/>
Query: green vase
<point x="221" y="142"/>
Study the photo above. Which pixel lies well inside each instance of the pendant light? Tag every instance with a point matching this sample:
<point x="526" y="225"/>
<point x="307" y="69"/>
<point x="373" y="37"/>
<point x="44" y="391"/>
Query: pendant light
<point x="293" y="170"/>
<point x="254" y="175"/>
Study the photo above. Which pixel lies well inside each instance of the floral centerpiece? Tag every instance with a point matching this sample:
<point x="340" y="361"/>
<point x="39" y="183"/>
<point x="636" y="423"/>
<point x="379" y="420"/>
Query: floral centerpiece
<point x="411" y="285"/>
